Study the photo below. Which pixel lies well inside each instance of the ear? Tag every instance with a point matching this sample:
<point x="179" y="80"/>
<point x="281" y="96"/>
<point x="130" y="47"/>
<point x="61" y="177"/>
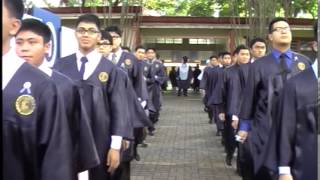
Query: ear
<point x="270" y="37"/>
<point x="15" y="26"/>
<point x="47" y="47"/>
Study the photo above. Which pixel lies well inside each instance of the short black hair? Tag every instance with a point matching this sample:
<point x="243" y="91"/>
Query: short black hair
<point x="213" y="56"/>
<point x="226" y="53"/>
<point x="115" y="29"/>
<point x="315" y="30"/>
<point x="257" y="39"/>
<point x="88" y="18"/>
<point x="36" y="27"/>
<point x="275" y="20"/>
<point x="150" y="48"/>
<point x="126" y="48"/>
<point x="185" y="59"/>
<point x="239" y="48"/>
<point x="106" y="35"/>
<point x="140" y="47"/>
<point x="15" y="8"/>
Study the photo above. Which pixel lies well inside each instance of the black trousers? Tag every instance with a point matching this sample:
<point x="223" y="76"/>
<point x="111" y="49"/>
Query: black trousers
<point x="229" y="136"/>
<point x="185" y="91"/>
<point x="139" y="137"/>
<point x="215" y="110"/>
<point x="122" y="172"/>
<point x="265" y="174"/>
<point x="245" y="161"/>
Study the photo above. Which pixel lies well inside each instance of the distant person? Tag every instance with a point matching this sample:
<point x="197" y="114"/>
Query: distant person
<point x="258" y="48"/>
<point x="173" y="79"/>
<point x="196" y="81"/>
<point x="184" y="76"/>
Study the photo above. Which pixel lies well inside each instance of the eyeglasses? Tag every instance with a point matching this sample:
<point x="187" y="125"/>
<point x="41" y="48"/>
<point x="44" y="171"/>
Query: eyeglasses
<point x="103" y="43"/>
<point x="115" y="37"/>
<point x="281" y="29"/>
<point x="88" y="31"/>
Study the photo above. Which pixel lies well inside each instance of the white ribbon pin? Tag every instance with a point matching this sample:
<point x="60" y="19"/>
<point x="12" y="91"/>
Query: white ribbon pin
<point x="26" y="87"/>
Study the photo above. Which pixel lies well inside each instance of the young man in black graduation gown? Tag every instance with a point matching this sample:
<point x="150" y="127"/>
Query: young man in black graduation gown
<point x="293" y="144"/>
<point x="235" y="83"/>
<point x="213" y="90"/>
<point x="103" y="88"/>
<point x="266" y="77"/>
<point x="35" y="134"/>
<point x="129" y="63"/>
<point x="141" y="133"/>
<point x="258" y="48"/>
<point x="203" y="83"/>
<point x="155" y="79"/>
<point x="184" y="76"/>
<point x="32" y="44"/>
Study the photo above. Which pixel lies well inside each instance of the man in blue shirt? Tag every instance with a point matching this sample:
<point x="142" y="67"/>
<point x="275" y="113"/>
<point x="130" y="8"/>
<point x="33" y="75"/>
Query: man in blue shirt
<point x="265" y="80"/>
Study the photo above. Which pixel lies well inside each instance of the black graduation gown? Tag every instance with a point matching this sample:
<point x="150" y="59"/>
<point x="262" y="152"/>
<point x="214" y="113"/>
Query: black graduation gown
<point x="196" y="81"/>
<point x="203" y="84"/>
<point x="261" y="91"/>
<point x="173" y="78"/>
<point x="297" y="144"/>
<point x="37" y="143"/>
<point x="214" y="83"/>
<point x="294" y="140"/>
<point x="184" y="84"/>
<point x="154" y="84"/>
<point x="79" y="123"/>
<point x="236" y="81"/>
<point x="106" y="104"/>
<point x="129" y="63"/>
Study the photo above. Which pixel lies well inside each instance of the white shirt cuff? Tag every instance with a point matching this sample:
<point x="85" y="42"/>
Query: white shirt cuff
<point x="284" y="170"/>
<point x="116" y="142"/>
<point x="235" y="118"/>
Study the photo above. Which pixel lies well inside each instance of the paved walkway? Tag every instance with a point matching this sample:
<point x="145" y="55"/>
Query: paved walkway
<point x="184" y="146"/>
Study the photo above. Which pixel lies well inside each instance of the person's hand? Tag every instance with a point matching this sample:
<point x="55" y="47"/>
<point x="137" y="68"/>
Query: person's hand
<point x="113" y="160"/>
<point x="143" y="104"/>
<point x="243" y="135"/>
<point x="125" y="144"/>
<point x="222" y="116"/>
<point x="285" y="177"/>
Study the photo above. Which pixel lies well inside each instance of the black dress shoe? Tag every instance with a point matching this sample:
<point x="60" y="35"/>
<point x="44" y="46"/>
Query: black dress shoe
<point x="229" y="161"/>
<point x="144" y="145"/>
<point x="151" y="133"/>
<point x="137" y="157"/>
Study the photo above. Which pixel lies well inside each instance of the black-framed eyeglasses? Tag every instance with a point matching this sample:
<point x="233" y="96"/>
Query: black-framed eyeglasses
<point x="103" y="43"/>
<point x="281" y="29"/>
<point x="88" y="31"/>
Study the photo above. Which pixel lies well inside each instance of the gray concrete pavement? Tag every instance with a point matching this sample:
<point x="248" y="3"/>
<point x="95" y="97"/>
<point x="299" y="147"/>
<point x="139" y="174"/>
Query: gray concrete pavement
<point x="184" y="146"/>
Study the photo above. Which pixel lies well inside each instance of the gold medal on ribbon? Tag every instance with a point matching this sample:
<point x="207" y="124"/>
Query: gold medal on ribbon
<point x="127" y="62"/>
<point x="301" y="66"/>
<point x="103" y="77"/>
<point x="25" y="105"/>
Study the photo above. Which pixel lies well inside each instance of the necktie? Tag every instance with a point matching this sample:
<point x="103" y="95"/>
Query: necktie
<point x="284" y="69"/>
<point x="83" y="60"/>
<point x="114" y="60"/>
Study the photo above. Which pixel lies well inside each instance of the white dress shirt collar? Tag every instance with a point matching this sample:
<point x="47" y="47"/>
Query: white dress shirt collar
<point x="45" y="68"/>
<point x="93" y="57"/>
<point x="118" y="55"/>
<point x="11" y="62"/>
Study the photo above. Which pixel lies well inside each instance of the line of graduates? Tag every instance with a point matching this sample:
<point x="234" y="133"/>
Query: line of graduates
<point x="266" y="106"/>
<point x="87" y="113"/>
